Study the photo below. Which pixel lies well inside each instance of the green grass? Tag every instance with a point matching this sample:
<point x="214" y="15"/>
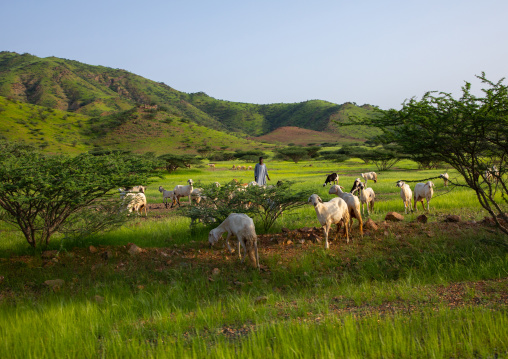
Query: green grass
<point x="400" y="295"/>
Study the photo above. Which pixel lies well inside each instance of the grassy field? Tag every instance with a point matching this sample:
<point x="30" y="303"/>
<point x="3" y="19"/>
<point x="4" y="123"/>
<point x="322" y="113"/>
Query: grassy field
<point x="407" y="290"/>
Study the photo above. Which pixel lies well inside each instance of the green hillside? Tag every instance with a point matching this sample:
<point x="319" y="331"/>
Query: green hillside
<point x="138" y="130"/>
<point x="99" y="91"/>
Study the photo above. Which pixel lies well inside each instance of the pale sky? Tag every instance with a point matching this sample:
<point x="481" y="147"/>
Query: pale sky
<point x="376" y="52"/>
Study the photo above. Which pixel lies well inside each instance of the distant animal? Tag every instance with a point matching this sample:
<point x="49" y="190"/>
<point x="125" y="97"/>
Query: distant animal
<point x="182" y="191"/>
<point x="367" y="196"/>
<point x="405" y="194"/>
<point x="423" y="190"/>
<point x="212" y="166"/>
<point x="234" y="167"/>
<point x="241" y="226"/>
<point x="369" y="176"/>
<point x="135" y="202"/>
<point x="491" y="174"/>
<point x="333" y="178"/>
<point x="445" y="178"/>
<point x="166" y="195"/>
<point x="249" y="168"/>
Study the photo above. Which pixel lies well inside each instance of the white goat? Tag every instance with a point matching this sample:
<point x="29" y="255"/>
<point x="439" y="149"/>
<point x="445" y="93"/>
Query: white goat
<point x="369" y="176"/>
<point x="367" y="196"/>
<point x="445" y="178"/>
<point x="241" y="226"/>
<point x="135" y="189"/>
<point x="196" y="194"/>
<point x="334" y="211"/>
<point x="135" y="202"/>
<point x="353" y="203"/>
<point x="405" y="194"/>
<point x="166" y="195"/>
<point x="423" y="190"/>
<point x="182" y="191"/>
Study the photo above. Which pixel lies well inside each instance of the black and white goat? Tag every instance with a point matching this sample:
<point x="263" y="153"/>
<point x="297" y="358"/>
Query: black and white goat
<point x="334" y="177"/>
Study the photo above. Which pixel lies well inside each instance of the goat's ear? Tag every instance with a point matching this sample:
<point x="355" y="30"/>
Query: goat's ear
<point x="320" y="200"/>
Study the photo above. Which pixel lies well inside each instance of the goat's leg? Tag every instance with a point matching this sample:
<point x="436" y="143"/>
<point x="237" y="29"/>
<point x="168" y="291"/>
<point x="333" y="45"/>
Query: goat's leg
<point x="227" y="242"/>
<point x="326" y="230"/>
<point x="241" y="242"/>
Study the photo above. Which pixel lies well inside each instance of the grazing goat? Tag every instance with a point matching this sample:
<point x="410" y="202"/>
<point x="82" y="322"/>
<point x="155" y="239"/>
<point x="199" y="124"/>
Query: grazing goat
<point x="334" y="177"/>
<point x="241" y="226"/>
<point x="166" y="195"/>
<point x="445" y="178"/>
<point x="405" y="194"/>
<point x="135" y="202"/>
<point x="182" y="191"/>
<point x="353" y="203"/>
<point x="369" y="176"/>
<point x="212" y="166"/>
<point x="331" y="212"/>
<point x="423" y="190"/>
<point x="366" y="195"/>
<point x="234" y="167"/>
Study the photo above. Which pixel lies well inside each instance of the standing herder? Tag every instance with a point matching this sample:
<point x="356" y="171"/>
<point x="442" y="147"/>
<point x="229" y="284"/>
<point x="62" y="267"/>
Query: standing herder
<point x="261" y="173"/>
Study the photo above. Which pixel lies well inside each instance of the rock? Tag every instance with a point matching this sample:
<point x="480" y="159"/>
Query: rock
<point x="216" y="271"/>
<point x="285" y="230"/>
<point x="422" y="218"/>
<point x="55" y="284"/>
<point x="316" y="239"/>
<point x="370" y="224"/>
<point x="289" y="242"/>
<point x="261" y="299"/>
<point x="49" y="254"/>
<point x="134" y="250"/>
<point x="92" y="249"/>
<point x="305" y="230"/>
<point x="452" y="218"/>
<point x="107" y="255"/>
<point x="99" y="299"/>
<point x="394" y="216"/>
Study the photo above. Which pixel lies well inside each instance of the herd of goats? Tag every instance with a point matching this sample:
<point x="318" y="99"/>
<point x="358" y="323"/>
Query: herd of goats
<point x="339" y="211"/>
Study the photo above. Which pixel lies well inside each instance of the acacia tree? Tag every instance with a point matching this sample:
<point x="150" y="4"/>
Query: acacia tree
<point x="469" y="133"/>
<point x="39" y="193"/>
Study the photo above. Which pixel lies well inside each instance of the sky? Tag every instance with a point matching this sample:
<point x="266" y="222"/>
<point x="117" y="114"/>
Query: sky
<point x="375" y="52"/>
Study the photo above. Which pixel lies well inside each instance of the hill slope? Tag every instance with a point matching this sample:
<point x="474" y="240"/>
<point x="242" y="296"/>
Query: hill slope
<point x="138" y="130"/>
<point x="97" y="91"/>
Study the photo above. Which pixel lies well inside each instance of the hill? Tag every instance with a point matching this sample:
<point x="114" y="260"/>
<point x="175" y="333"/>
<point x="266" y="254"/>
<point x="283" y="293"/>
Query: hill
<point x="138" y="130"/>
<point x="301" y="136"/>
<point x="99" y="91"/>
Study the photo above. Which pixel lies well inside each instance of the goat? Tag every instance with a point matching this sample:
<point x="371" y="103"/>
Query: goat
<point x="135" y="202"/>
<point x="241" y="226"/>
<point x="166" y="195"/>
<point x="423" y="190"/>
<point x="366" y="195"/>
<point x="182" y="191"/>
<point x="334" y="177"/>
<point x="331" y="212"/>
<point x="445" y="178"/>
<point x="353" y="204"/>
<point x="369" y="176"/>
<point x="405" y="194"/>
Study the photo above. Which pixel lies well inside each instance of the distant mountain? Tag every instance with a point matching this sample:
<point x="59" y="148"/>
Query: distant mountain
<point x="99" y="91"/>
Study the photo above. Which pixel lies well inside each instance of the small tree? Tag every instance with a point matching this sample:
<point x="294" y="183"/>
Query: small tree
<point x="173" y="162"/>
<point x="294" y="154"/>
<point x="39" y="193"/>
<point x="469" y="133"/>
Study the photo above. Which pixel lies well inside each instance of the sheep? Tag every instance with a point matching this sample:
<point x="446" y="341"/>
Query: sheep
<point x="423" y="190"/>
<point x="445" y="178"/>
<point x="353" y="204"/>
<point x="182" y="191"/>
<point x="331" y="212"/>
<point x="405" y="194"/>
<point x="136" y="202"/>
<point x="241" y="226"/>
<point x="166" y="195"/>
<point x="366" y="195"/>
<point x="334" y="177"/>
<point x="369" y="176"/>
